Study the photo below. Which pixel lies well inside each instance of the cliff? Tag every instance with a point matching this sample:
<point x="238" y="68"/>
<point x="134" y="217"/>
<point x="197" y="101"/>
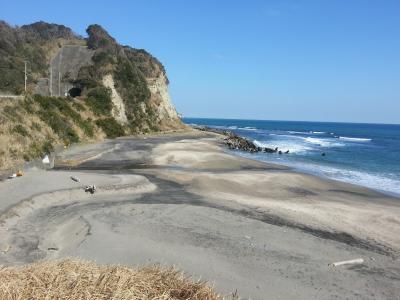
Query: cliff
<point x="78" y="89"/>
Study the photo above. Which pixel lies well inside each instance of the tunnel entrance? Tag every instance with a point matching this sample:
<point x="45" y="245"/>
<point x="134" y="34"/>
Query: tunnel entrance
<point x="75" y="92"/>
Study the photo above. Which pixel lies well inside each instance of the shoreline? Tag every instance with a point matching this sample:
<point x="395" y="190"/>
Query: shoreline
<point x="310" y="173"/>
<point x="242" y="152"/>
<point x="181" y="199"/>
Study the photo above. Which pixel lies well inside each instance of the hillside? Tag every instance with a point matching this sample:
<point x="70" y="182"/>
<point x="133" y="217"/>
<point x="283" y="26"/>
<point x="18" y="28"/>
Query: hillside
<point x="78" y="89"/>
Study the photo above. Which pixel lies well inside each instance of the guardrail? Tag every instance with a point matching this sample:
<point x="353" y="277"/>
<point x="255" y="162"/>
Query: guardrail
<point x="12" y="96"/>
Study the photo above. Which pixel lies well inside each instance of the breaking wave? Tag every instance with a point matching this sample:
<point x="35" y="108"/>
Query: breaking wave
<point x="351" y="139"/>
<point x="247" y="128"/>
<point x="293" y="146"/>
<point x="323" y="142"/>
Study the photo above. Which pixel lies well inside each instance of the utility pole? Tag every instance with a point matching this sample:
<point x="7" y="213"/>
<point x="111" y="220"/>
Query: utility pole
<point x="51" y="80"/>
<point x="25" y="76"/>
<point x="59" y="83"/>
<point x="59" y="74"/>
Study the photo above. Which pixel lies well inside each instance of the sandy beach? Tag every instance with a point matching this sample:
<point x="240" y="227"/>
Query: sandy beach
<point x="182" y="199"/>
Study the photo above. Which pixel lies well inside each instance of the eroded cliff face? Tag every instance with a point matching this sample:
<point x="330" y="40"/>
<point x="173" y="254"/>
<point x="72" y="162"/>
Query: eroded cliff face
<point x="118" y="109"/>
<point x="166" y="113"/>
<point x="160" y="100"/>
<point x="137" y="80"/>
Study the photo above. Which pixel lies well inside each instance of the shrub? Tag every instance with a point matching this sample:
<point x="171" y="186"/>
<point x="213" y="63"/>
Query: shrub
<point x="103" y="58"/>
<point x="53" y="103"/>
<point x="70" y="136"/>
<point x="11" y="112"/>
<point x="36" y="126"/>
<point x="87" y="127"/>
<point x="19" y="129"/>
<point x="45" y="103"/>
<point x="47" y="146"/>
<point x="78" y="106"/>
<point x="54" y="120"/>
<point x="37" y="149"/>
<point x="88" y="77"/>
<point x="27" y="104"/>
<point x="57" y="113"/>
<point x="34" y="151"/>
<point x="110" y="127"/>
<point x="60" y="126"/>
<point x="99" y="99"/>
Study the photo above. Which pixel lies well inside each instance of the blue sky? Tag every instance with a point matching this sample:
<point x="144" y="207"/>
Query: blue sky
<point x="310" y="60"/>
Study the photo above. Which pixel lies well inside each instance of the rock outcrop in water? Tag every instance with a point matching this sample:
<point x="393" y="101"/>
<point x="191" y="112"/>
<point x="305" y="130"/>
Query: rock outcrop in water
<point x="236" y="142"/>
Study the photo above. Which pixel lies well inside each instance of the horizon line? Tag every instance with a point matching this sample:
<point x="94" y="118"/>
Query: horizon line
<point x="277" y="120"/>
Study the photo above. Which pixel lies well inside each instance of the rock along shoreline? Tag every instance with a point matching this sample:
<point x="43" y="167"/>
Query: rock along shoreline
<point x="236" y="142"/>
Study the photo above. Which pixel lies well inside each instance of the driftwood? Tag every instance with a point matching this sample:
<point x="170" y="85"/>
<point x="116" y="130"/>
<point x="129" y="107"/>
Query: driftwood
<point x="347" y="262"/>
<point x="76" y="179"/>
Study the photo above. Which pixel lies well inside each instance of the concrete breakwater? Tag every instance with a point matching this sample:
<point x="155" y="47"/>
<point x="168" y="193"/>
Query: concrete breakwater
<point x="236" y="142"/>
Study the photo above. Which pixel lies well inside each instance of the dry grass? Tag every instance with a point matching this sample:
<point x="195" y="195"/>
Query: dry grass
<point x="16" y="148"/>
<point x="80" y="280"/>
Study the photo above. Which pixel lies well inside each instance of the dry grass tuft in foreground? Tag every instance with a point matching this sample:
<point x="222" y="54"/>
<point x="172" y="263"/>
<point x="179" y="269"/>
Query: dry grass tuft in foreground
<point x="78" y="280"/>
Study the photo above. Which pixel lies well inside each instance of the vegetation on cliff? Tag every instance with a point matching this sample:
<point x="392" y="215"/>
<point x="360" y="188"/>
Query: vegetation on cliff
<point x="130" y="68"/>
<point x="32" y="43"/>
<point x="33" y="126"/>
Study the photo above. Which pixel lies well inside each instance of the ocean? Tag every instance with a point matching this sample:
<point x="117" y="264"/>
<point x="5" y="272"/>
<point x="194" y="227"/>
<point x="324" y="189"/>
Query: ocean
<point x="363" y="154"/>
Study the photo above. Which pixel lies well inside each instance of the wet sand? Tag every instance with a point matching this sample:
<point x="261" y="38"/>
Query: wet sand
<point x="181" y="199"/>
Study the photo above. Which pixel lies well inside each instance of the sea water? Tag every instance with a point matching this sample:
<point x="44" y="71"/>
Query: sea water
<point x="363" y="154"/>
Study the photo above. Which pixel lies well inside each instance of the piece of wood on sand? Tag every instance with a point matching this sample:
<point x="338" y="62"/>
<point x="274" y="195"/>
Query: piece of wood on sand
<point x="347" y="262"/>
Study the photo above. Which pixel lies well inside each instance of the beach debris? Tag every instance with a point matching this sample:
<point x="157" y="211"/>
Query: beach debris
<point x="19" y="173"/>
<point x="6" y="249"/>
<point x="52" y="248"/>
<point x="12" y="176"/>
<point x="347" y="262"/>
<point x="90" y="189"/>
<point x="46" y="159"/>
<point x="76" y="179"/>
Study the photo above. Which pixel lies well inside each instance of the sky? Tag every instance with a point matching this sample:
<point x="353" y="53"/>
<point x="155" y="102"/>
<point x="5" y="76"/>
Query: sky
<point x="308" y="60"/>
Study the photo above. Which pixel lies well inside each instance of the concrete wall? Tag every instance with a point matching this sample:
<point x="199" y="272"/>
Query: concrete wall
<point x="64" y="67"/>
